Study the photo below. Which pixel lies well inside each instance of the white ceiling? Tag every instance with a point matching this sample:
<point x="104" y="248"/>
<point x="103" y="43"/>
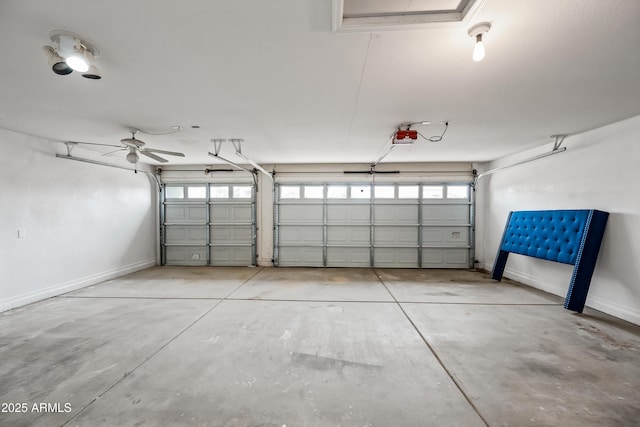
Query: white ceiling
<point x="273" y="73"/>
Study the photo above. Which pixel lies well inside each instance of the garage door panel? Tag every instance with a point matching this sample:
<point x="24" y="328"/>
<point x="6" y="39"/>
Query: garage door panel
<point x="186" y="255"/>
<point x="445" y="258"/>
<point x="394" y="214"/>
<point x="445" y="236"/>
<point x="396" y="236"/>
<point x="348" y="257"/>
<point x="231" y="213"/>
<point x="299" y="234"/>
<point x="230" y="256"/>
<point x="301" y="257"/>
<point x="353" y="214"/>
<point x="300" y="214"/>
<point x="349" y="235"/>
<point x="185" y="214"/>
<point x="395" y="257"/>
<point x="193" y="234"/>
<point x="445" y="214"/>
<point x="229" y="234"/>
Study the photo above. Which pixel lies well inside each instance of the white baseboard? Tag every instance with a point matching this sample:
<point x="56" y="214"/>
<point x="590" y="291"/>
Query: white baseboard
<point x="616" y="310"/>
<point x="536" y="282"/>
<point x="52" y="291"/>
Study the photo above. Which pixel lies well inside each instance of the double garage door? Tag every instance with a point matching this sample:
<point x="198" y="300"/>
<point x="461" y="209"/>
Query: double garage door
<point x="208" y="224"/>
<point x="382" y="225"/>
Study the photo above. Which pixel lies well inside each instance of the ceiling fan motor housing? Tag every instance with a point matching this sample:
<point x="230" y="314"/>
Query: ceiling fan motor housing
<point x="132" y="142"/>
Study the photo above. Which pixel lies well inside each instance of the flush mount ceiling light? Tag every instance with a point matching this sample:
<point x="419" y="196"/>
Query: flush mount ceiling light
<point x="71" y="52"/>
<point x="477" y="31"/>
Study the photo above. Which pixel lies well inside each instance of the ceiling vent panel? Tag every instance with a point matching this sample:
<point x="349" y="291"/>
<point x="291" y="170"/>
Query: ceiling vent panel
<point x="378" y="15"/>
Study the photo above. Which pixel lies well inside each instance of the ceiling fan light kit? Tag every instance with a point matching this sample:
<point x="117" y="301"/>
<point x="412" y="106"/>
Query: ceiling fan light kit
<point x="71" y="52"/>
<point x="132" y="156"/>
<point x="134" y="146"/>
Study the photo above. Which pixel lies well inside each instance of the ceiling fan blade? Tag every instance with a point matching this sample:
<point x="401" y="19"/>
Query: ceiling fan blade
<point x="94" y="143"/>
<point x="114" y="151"/>
<point x="170" y="153"/>
<point x="153" y="156"/>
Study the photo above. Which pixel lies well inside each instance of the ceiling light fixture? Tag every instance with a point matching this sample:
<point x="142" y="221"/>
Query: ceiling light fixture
<point x="477" y="31"/>
<point x="71" y="52"/>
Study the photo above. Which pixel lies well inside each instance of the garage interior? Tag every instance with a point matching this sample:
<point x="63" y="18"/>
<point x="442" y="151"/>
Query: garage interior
<point x="287" y="213"/>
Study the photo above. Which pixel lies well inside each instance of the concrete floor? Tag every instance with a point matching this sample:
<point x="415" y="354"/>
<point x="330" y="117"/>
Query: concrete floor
<point x="182" y="346"/>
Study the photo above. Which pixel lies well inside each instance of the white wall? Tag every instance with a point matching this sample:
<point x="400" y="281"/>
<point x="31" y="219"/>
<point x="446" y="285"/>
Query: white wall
<point x="599" y="170"/>
<point x="82" y="223"/>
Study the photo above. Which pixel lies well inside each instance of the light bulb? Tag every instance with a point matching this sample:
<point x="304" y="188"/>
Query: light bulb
<point x="132" y="156"/>
<point x="478" y="50"/>
<point x="78" y="62"/>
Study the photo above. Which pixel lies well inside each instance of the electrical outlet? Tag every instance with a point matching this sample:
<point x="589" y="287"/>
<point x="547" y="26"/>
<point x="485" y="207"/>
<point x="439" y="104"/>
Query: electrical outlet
<point x="195" y="256"/>
<point x="21" y="233"/>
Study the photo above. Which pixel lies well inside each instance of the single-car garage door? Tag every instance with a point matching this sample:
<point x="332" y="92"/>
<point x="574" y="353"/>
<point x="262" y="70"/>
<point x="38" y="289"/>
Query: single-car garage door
<point x="422" y="225"/>
<point x="208" y="224"/>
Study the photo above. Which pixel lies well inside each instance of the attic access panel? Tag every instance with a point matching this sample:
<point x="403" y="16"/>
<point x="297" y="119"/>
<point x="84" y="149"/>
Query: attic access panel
<point x="367" y="15"/>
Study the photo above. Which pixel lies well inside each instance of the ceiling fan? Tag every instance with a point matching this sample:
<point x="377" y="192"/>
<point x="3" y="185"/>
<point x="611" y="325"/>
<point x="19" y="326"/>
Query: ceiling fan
<point x="134" y="147"/>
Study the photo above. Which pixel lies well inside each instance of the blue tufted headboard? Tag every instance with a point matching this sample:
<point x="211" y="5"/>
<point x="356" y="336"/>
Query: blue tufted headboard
<point x="566" y="236"/>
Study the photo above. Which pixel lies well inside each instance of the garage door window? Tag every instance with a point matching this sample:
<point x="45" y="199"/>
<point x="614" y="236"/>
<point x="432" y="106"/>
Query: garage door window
<point x="219" y="191"/>
<point x="313" y="192"/>
<point x="337" y="192"/>
<point x="408" y="192"/>
<point x="360" y="192"/>
<point x="457" y="192"/>
<point x="173" y="192"/>
<point x="241" y="191"/>
<point x="432" y="192"/>
<point x="197" y="192"/>
<point x="384" y="192"/>
<point x="290" y="192"/>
